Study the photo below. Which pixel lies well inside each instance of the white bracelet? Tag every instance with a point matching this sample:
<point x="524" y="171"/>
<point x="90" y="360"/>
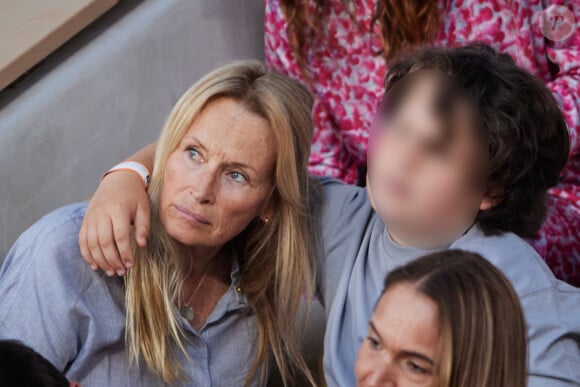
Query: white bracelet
<point x="135" y="167"/>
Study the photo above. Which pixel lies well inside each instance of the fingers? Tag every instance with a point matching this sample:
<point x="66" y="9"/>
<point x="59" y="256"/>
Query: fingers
<point x="105" y="236"/>
<point x="95" y="250"/>
<point x="108" y="246"/>
<point x="99" y="247"/>
<point x="121" y="228"/>
<point x="84" y="247"/>
<point x="142" y="224"/>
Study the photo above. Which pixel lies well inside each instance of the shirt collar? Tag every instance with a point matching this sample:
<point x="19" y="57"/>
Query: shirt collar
<point x="404" y="253"/>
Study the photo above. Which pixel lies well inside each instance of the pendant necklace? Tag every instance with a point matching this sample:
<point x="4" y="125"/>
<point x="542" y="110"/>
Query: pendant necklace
<point x="186" y="310"/>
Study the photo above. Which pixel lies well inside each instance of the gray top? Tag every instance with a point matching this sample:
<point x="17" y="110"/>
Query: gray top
<point x="358" y="253"/>
<point x="51" y="300"/>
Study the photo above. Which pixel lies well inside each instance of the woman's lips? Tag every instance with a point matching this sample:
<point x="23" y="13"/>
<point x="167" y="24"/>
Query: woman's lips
<point x="191" y="216"/>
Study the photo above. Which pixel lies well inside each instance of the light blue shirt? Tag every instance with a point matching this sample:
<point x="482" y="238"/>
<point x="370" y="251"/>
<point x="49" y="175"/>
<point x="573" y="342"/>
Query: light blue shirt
<point x="52" y="301"/>
<point x="358" y="253"/>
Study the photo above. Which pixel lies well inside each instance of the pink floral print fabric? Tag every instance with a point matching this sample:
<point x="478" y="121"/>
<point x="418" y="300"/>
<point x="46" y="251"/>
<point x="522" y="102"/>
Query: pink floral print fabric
<point x="346" y="78"/>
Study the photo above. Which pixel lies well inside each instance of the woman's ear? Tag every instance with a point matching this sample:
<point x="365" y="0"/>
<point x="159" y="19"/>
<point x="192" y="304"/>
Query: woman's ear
<point x="267" y="213"/>
<point x="268" y="210"/>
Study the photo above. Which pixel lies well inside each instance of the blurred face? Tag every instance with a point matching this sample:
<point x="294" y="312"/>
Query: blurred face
<point x="428" y="195"/>
<point x="220" y="176"/>
<point x="402" y="341"/>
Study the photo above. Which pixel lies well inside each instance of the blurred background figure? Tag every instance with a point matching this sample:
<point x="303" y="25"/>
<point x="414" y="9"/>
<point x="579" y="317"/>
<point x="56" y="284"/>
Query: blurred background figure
<point x="342" y="50"/>
<point x="448" y="319"/>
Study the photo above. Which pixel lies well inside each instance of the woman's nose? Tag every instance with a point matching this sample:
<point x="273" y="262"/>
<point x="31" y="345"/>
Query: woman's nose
<point x="203" y="186"/>
<point x="382" y="376"/>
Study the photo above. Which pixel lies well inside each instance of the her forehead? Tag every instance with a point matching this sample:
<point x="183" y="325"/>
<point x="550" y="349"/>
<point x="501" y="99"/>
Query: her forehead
<point x="227" y="109"/>
<point x="407" y="320"/>
<point x="226" y="119"/>
<point x="228" y="132"/>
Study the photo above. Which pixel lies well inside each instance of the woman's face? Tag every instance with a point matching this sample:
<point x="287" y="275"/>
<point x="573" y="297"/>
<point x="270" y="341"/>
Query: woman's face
<point x="402" y="341"/>
<point x="220" y="176"/>
<point x="427" y="194"/>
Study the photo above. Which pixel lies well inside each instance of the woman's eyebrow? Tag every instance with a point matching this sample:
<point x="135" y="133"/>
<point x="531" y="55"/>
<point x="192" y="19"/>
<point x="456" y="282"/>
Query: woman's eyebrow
<point x="242" y="165"/>
<point x="199" y="143"/>
<point x="374" y="329"/>
<point x="403" y="353"/>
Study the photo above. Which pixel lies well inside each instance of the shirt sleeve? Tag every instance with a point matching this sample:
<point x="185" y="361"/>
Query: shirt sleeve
<point x="39" y="284"/>
<point x="565" y="84"/>
<point x="338" y="208"/>
<point x="554" y="335"/>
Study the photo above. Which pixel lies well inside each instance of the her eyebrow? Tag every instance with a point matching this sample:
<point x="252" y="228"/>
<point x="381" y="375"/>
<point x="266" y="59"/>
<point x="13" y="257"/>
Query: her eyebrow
<point x="189" y="136"/>
<point x="374" y="329"/>
<point x="403" y="353"/>
<point x="242" y="165"/>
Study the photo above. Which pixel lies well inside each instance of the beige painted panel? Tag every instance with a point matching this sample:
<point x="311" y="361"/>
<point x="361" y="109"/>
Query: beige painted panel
<point x="32" y="29"/>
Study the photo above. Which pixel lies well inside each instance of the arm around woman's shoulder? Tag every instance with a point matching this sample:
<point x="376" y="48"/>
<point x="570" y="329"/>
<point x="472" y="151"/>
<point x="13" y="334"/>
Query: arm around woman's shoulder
<point x="339" y="207"/>
<point x="342" y="213"/>
<point x="39" y="284"/>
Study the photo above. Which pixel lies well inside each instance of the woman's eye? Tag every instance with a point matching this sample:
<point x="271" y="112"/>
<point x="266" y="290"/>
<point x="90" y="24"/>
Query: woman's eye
<point x="238" y="177"/>
<point x="193" y="153"/>
<point x="373" y="342"/>
<point x="417" y="369"/>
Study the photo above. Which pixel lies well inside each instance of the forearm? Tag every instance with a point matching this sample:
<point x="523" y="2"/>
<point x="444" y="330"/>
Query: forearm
<point x="145" y="156"/>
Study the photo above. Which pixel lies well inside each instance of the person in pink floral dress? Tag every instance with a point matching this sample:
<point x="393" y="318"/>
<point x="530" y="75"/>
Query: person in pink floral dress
<point x="341" y="50"/>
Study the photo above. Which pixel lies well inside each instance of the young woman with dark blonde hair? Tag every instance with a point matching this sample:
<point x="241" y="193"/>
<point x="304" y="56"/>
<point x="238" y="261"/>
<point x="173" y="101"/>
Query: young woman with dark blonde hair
<point x="447" y="319"/>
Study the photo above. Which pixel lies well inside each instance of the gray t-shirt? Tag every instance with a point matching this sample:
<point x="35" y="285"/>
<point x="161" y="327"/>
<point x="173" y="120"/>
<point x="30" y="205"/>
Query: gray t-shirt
<point x="52" y="301"/>
<point x="358" y="253"/>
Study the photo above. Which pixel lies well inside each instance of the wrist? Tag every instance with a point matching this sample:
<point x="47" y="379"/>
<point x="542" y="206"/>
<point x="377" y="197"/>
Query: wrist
<point x="133" y="167"/>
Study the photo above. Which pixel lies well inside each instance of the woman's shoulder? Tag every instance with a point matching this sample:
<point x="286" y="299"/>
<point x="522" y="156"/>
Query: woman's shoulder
<point x="66" y="218"/>
<point x="50" y="245"/>
<point x="46" y="264"/>
<point x="44" y="271"/>
<point x="52" y="236"/>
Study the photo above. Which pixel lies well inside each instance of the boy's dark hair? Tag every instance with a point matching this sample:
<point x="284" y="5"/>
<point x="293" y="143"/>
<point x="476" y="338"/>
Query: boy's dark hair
<point x="22" y="366"/>
<point x="526" y="133"/>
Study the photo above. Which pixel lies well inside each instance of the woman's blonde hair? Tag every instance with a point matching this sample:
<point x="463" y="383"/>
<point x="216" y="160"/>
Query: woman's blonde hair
<point x="482" y="331"/>
<point x="276" y="258"/>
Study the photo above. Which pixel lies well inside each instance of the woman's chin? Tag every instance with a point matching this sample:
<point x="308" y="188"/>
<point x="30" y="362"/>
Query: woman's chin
<point x="188" y="238"/>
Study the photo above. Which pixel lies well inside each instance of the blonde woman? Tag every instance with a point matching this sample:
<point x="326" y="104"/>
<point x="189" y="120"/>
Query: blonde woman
<point x="227" y="261"/>
<point x="447" y="319"/>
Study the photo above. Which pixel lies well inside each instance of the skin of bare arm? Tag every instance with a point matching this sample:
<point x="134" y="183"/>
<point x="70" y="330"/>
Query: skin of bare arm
<point x="119" y="203"/>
